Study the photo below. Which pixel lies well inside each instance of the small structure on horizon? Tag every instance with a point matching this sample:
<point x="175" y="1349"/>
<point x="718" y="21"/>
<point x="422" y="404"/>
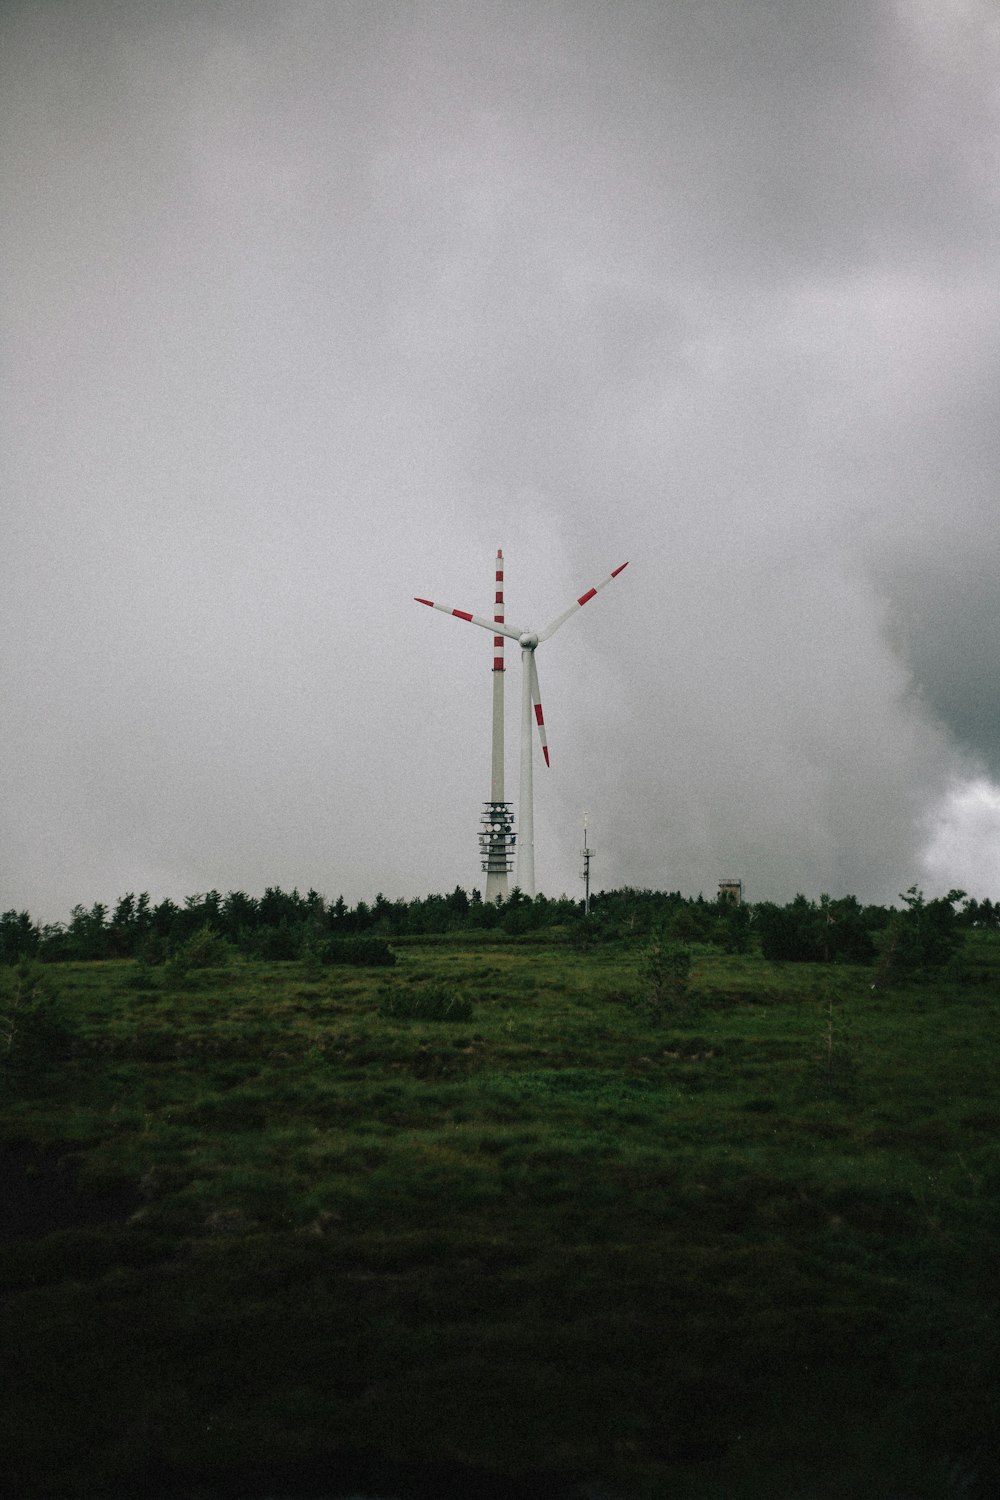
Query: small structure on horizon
<point x="731" y="891"/>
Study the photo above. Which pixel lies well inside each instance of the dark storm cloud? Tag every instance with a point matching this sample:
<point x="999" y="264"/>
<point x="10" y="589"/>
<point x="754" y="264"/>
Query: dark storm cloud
<point x="941" y="570"/>
<point x="947" y="623"/>
<point x="312" y="306"/>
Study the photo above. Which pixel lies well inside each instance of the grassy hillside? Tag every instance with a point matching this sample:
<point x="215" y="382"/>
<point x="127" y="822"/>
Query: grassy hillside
<point x="272" y="1226"/>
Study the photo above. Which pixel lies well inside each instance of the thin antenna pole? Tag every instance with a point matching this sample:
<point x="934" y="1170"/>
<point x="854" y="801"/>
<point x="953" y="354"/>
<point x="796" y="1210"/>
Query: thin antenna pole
<point x="587" y="852"/>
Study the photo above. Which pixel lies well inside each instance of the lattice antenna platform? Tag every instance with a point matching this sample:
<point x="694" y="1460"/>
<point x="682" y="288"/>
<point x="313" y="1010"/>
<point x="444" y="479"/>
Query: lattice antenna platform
<point x="496" y="842"/>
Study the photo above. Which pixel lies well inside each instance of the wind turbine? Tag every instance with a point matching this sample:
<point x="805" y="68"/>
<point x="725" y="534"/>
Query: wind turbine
<point x="529" y="641"/>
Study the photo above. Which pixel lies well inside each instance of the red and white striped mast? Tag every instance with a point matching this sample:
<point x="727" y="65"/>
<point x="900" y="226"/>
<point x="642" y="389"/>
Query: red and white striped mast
<point x="496" y="837"/>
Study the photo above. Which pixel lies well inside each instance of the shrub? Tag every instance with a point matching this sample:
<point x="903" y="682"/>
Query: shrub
<point x="731" y="930"/>
<point x="368" y="952"/>
<point x="925" y="936"/>
<point x="517" y="921"/>
<point x="36" y="1031"/>
<point x="809" y="932"/>
<point x="276" y="942"/>
<point x="205" y="949"/>
<point x="665" y="971"/>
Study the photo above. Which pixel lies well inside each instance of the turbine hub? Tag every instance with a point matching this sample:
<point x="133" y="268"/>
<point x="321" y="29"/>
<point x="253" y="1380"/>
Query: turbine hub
<point x="528" y="641"/>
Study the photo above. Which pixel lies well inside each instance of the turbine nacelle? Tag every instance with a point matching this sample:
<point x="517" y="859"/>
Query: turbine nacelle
<point x="528" y="641"/>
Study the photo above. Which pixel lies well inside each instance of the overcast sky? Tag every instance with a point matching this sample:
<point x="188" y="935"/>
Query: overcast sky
<point x="309" y="307"/>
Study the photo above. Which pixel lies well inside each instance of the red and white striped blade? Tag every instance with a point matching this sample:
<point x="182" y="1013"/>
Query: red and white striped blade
<point x="578" y="604"/>
<point x="494" y="626"/>
<point x="536" y="699"/>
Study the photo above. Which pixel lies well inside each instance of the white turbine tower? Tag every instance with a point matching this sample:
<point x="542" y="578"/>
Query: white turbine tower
<point x="529" y="641"/>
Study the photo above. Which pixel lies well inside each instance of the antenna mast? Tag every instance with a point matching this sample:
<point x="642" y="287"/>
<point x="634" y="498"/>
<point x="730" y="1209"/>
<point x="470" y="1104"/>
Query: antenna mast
<point x="496" y="826"/>
<point x="586" y="852"/>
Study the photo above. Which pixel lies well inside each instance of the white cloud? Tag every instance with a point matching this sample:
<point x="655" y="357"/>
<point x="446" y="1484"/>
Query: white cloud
<point x="964" y="845"/>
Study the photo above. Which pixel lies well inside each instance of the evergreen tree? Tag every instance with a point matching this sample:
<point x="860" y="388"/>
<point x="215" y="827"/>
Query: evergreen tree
<point x="19" y="937"/>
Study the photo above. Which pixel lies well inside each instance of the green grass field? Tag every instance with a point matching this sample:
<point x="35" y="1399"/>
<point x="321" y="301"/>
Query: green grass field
<point x="274" y="1226"/>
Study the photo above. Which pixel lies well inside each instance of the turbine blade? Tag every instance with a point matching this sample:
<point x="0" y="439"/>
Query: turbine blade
<point x="578" y="604"/>
<point x="536" y="699"/>
<point x="495" y="627"/>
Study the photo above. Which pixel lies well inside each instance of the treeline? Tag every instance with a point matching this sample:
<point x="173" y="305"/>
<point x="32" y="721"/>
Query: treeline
<point x="278" y="925"/>
<point x="283" y="925"/>
<point x="287" y="925"/>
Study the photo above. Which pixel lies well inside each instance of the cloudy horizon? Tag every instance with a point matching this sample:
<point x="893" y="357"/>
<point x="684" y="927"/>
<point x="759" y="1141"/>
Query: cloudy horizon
<point x="308" y="308"/>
